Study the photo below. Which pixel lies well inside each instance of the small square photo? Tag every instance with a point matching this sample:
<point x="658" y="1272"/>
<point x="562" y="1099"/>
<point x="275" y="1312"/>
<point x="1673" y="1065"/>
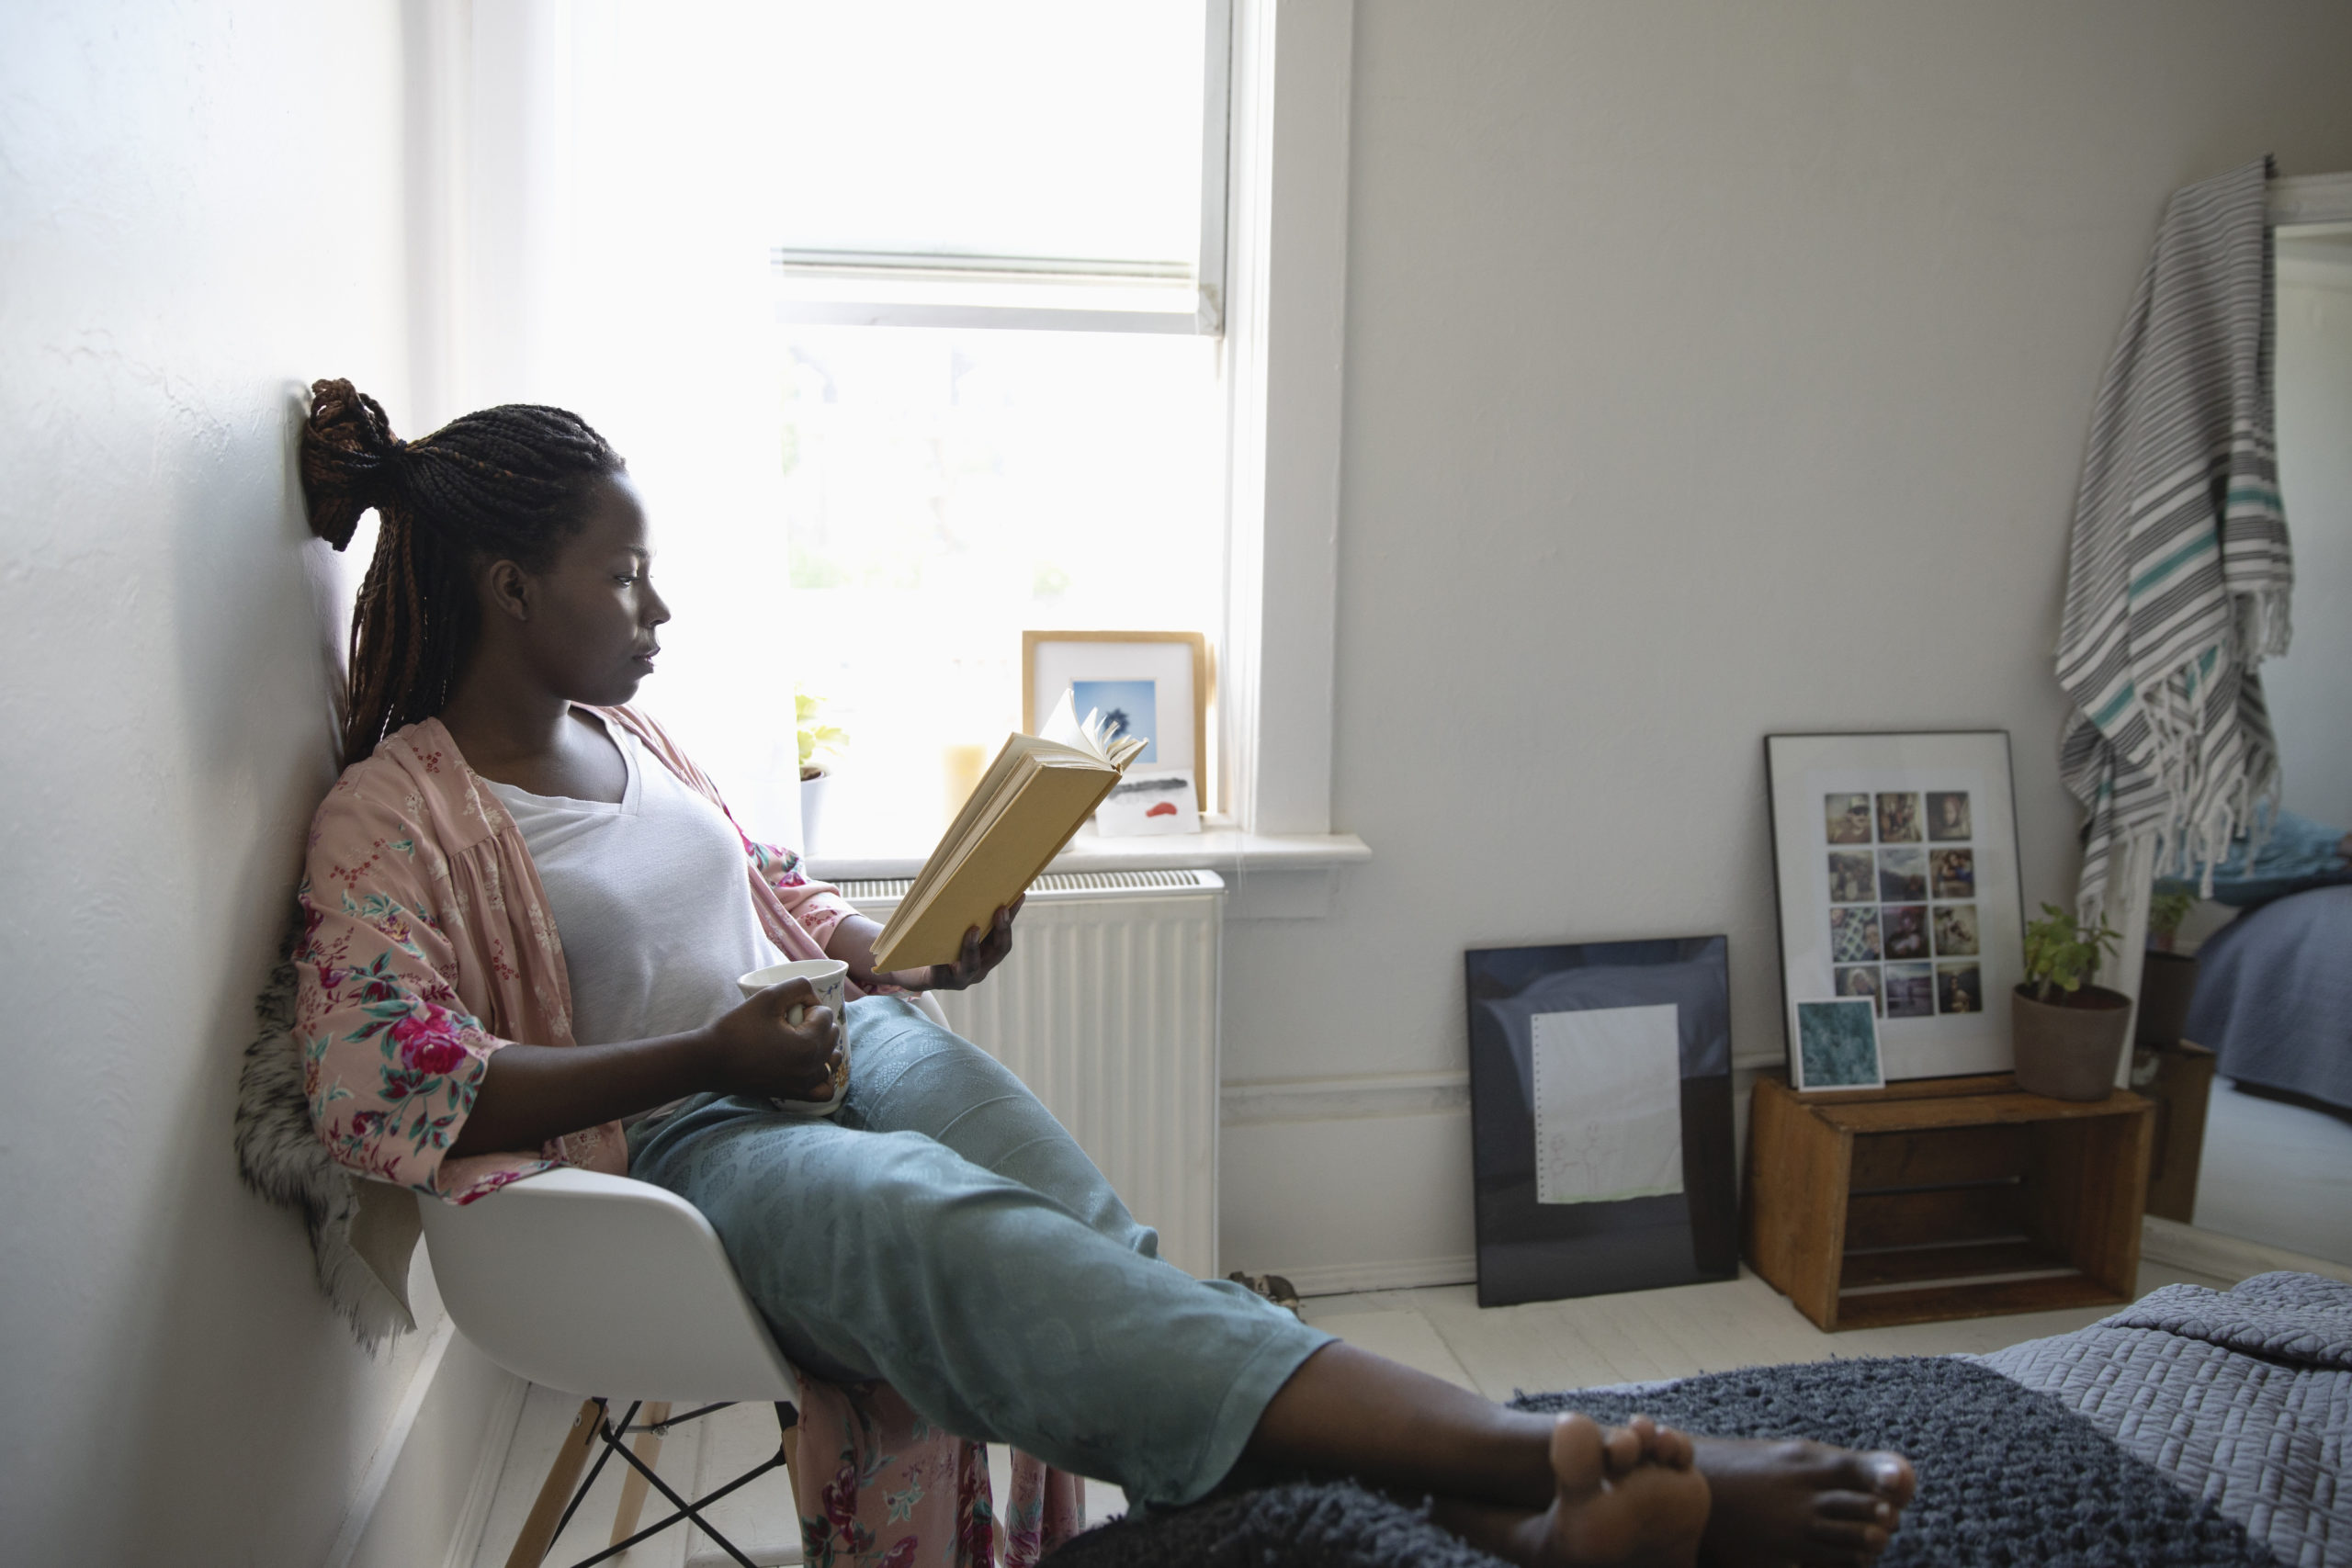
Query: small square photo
<point x="1959" y="987"/>
<point x="1903" y="930"/>
<point x="1947" y="815"/>
<point x="1898" y="819"/>
<point x="1847" y="817"/>
<point x="1910" y="990"/>
<point x="1901" y="874"/>
<point x="1837" y="1046"/>
<point x="1954" y="872"/>
<point x="1128" y="707"/>
<point x="1851" y="880"/>
<point x="1858" y="980"/>
<point x="1955" y="930"/>
<point x="1853" y="934"/>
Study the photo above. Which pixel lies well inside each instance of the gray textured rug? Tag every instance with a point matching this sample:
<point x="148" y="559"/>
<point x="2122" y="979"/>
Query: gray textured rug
<point x="2007" y="1478"/>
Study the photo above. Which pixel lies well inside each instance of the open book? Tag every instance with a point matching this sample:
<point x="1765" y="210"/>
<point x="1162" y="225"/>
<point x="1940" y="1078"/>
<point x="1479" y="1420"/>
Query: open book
<point x="1033" y="796"/>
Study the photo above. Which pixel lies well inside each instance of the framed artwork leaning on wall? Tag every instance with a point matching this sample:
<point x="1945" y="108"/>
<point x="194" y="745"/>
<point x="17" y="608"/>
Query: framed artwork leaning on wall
<point x="1600" y="1117"/>
<point x="1152" y="684"/>
<point x="1895" y="857"/>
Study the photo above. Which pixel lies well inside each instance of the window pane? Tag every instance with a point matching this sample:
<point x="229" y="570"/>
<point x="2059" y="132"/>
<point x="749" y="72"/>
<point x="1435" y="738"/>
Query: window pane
<point x="1052" y="128"/>
<point x="944" y="490"/>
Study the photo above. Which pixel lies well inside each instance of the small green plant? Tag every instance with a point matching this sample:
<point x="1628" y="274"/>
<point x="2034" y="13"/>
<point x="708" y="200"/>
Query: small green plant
<point x="2166" y="911"/>
<point x="815" y="737"/>
<point x="2060" y="952"/>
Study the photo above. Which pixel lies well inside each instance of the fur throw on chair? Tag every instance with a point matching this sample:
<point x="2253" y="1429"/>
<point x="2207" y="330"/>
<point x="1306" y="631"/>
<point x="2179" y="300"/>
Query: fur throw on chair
<point x="361" y="1231"/>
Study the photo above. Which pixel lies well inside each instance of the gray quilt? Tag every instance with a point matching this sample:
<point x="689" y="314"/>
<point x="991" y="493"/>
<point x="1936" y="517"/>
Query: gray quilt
<point x="2244" y="1397"/>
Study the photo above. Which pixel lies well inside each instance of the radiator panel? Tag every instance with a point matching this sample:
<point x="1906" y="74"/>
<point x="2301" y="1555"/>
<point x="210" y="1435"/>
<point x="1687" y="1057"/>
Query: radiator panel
<point x="1107" y="1009"/>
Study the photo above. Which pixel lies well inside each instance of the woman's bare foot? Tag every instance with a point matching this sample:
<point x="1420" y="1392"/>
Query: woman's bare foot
<point x="1794" y="1501"/>
<point x="1631" y="1496"/>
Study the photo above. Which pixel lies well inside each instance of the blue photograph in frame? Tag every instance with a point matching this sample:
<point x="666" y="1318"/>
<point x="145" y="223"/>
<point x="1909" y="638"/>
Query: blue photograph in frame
<point x="1602" y="1117"/>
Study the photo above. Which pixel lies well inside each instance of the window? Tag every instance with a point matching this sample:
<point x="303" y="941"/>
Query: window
<point x="913" y="322"/>
<point x="998" y="410"/>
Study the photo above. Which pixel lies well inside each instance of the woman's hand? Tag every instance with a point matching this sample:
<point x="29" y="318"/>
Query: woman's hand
<point x="757" y="1051"/>
<point x="983" y="951"/>
<point x="984" y="948"/>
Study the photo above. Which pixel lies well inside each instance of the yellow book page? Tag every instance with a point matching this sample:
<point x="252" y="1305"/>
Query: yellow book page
<point x="999" y="867"/>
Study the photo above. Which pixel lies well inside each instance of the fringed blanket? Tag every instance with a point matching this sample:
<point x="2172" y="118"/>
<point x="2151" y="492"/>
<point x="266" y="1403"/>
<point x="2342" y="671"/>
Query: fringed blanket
<point x="2178" y="571"/>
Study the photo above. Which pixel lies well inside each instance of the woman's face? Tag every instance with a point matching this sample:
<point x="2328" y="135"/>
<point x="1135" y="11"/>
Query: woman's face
<point x="588" y="632"/>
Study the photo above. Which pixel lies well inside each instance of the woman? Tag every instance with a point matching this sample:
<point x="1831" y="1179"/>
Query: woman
<point x="524" y="917"/>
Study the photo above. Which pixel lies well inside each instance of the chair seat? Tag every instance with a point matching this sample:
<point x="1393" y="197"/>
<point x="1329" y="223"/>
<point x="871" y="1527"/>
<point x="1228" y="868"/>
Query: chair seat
<point x="603" y="1285"/>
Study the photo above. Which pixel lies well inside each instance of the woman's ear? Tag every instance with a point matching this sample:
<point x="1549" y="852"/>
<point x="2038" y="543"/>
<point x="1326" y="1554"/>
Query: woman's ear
<point x="508" y="590"/>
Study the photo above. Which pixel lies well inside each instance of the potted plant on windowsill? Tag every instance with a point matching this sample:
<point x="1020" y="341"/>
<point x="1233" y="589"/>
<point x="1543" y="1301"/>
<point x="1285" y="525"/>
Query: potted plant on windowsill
<point x="2169" y="978"/>
<point x="2069" y="1036"/>
<point x="815" y="737"/>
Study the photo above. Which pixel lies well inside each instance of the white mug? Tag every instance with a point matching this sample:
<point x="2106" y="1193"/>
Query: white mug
<point x="829" y="976"/>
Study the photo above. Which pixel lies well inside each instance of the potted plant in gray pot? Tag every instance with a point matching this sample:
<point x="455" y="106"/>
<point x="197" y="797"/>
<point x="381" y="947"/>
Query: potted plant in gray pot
<point x="2169" y="979"/>
<point x="2069" y="1036"/>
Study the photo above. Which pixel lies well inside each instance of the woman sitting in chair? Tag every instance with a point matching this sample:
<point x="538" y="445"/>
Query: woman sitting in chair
<point x="525" y="913"/>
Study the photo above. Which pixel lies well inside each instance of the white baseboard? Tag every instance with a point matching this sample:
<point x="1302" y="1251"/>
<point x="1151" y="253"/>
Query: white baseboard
<point x="2220" y="1257"/>
<point x="428" y="1491"/>
<point x="1400" y="1274"/>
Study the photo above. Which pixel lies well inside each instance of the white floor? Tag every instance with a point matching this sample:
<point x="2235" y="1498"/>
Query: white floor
<point x="2277" y="1173"/>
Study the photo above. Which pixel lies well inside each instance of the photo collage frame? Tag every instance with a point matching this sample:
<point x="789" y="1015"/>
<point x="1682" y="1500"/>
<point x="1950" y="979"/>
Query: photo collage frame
<point x="1897" y="868"/>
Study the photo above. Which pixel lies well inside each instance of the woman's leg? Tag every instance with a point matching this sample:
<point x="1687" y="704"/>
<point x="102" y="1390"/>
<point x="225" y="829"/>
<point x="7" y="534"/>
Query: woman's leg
<point x="1035" y="1315"/>
<point x="993" y="1308"/>
<point x="912" y="1075"/>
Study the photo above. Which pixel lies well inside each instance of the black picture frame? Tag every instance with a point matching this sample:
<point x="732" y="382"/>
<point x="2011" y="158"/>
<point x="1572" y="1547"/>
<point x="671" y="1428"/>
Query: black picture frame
<point x="1532" y="1250"/>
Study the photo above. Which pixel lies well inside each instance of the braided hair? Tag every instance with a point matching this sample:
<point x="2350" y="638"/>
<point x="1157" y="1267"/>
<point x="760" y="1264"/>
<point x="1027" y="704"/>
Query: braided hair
<point x="509" y="483"/>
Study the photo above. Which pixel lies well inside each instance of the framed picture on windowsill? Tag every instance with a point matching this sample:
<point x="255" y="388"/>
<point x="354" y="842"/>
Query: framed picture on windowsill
<point x="1896" y="859"/>
<point x="1154" y="685"/>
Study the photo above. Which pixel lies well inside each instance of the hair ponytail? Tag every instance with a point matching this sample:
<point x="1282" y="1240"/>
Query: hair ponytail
<point x="506" y="483"/>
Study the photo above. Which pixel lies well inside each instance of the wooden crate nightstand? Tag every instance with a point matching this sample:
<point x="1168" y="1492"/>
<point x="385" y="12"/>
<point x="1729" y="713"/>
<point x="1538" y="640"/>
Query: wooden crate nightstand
<point x="1944" y="1197"/>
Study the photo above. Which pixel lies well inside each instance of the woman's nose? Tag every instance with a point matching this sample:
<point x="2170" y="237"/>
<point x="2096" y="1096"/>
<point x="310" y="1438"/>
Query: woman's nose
<point x="656" y="609"/>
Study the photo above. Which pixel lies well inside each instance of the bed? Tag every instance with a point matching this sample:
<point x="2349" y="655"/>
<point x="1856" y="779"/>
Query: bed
<point x="2273" y="995"/>
<point x="2194" y="1426"/>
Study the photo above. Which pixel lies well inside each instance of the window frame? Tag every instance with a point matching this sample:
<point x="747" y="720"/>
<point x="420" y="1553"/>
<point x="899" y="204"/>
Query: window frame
<point x="1034" y="293"/>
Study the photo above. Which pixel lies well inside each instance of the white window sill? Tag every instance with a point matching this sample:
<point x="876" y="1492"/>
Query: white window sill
<point x="1226" y="850"/>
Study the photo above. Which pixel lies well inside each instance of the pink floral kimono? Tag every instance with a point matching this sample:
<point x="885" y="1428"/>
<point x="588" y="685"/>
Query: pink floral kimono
<point x="427" y="945"/>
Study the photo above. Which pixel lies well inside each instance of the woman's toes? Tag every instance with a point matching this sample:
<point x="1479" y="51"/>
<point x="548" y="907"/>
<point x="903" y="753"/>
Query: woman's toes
<point x="1892" y="1476"/>
<point x="1834" y="1541"/>
<point x="1863" y="1507"/>
<point x="1578" y="1455"/>
<point x="1674" y="1449"/>
<point x="1623" y="1447"/>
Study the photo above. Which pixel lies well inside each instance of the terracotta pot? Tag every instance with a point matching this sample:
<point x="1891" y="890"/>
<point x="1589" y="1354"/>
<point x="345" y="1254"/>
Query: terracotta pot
<point x="2167" y="984"/>
<point x="2069" y="1050"/>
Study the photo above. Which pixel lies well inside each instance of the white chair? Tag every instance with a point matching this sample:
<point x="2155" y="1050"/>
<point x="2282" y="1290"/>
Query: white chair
<point x="579" y="1281"/>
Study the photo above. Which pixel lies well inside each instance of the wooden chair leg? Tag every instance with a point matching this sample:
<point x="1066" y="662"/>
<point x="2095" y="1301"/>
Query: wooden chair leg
<point x="647" y="1447"/>
<point x="539" y="1529"/>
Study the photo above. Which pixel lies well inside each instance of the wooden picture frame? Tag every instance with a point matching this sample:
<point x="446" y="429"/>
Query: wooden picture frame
<point x="1177" y="663"/>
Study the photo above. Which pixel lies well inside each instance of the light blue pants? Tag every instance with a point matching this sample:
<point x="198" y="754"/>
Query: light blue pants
<point x="943" y="1233"/>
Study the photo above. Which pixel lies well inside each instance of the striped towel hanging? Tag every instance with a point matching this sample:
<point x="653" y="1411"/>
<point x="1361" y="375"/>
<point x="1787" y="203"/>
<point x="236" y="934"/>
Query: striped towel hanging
<point x="2178" y="570"/>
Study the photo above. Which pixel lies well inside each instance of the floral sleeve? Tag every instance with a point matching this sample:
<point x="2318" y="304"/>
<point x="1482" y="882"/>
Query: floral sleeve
<point x="391" y="1058"/>
<point x="817" y="905"/>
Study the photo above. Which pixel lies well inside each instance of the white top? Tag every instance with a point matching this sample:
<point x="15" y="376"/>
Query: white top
<point x="652" y="902"/>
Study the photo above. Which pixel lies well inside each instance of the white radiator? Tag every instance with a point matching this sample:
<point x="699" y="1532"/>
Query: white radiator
<point x="1108" y="1010"/>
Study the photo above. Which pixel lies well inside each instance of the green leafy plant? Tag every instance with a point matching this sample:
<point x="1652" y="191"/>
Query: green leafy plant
<point x="2166" y="911"/>
<point x="2061" y="953"/>
<point x="815" y="736"/>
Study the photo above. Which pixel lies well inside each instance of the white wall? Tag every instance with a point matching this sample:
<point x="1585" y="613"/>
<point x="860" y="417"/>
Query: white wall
<point x="2310" y="690"/>
<point x="199" y="212"/>
<point x="1712" y="368"/>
